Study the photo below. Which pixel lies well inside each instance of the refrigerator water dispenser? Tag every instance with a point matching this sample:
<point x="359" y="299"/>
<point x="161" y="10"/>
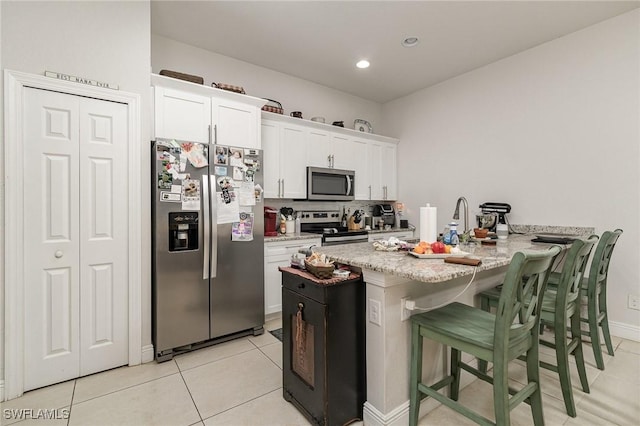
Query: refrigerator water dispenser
<point x="183" y="231"/>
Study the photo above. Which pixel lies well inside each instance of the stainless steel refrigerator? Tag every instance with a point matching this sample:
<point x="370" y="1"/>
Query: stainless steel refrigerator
<point x="208" y="245"/>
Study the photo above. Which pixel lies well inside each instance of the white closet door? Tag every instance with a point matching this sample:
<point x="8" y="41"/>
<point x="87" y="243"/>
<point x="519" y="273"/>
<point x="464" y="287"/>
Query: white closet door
<point x="103" y="236"/>
<point x="76" y="284"/>
<point x="51" y="208"/>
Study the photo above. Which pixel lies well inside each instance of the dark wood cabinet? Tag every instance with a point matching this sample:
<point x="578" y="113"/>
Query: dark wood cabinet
<point x="323" y="344"/>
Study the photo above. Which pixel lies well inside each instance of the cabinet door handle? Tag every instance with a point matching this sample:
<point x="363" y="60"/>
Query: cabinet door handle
<point x="282" y="188"/>
<point x="369" y="191"/>
<point x="333" y="161"/>
<point x="301" y="285"/>
<point x="278" y="188"/>
<point x="215" y="133"/>
<point x="209" y="131"/>
<point x="328" y="160"/>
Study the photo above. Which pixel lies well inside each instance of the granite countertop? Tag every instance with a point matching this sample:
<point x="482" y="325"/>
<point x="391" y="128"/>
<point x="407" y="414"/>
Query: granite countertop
<point x="308" y="235"/>
<point x="292" y="237"/>
<point x="404" y="265"/>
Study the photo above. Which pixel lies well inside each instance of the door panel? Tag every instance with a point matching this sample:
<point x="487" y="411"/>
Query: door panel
<point x="51" y="207"/>
<point x="75" y="204"/>
<point x="103" y="235"/>
<point x="58" y="315"/>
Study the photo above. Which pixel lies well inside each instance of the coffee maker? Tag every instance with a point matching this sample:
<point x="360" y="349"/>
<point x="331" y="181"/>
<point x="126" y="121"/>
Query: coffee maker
<point x="384" y="212"/>
<point x="492" y="215"/>
<point x="270" y="222"/>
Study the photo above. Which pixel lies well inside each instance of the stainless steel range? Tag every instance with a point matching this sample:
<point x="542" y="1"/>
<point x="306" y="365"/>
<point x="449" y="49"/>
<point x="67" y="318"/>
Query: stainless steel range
<point x="327" y="223"/>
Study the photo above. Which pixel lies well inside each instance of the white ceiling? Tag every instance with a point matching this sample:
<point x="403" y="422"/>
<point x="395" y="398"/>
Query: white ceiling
<point x="321" y="41"/>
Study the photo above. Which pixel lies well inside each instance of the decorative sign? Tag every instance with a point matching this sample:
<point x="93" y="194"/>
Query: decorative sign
<point x="74" y="79"/>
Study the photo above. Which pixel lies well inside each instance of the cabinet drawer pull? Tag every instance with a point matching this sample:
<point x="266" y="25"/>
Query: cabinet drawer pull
<point x="301" y="285"/>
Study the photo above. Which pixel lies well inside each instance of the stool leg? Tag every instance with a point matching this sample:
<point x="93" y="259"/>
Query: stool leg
<point x="562" y="361"/>
<point x="604" y="322"/>
<point x="533" y="375"/>
<point x="456" y="357"/>
<point x="594" y="332"/>
<point x="485" y="306"/>
<point x="578" y="352"/>
<point x="415" y="374"/>
<point x="501" y="391"/>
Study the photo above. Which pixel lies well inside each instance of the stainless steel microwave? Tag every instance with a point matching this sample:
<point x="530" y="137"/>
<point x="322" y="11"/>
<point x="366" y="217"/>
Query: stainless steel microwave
<point x="330" y="184"/>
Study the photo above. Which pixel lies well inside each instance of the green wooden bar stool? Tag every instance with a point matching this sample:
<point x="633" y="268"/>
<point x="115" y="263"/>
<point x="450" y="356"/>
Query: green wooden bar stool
<point x="594" y="288"/>
<point x="498" y="338"/>
<point x="561" y="311"/>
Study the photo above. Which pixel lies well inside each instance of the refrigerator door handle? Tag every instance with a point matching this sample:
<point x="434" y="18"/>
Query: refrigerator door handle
<point x="214" y="227"/>
<point x="206" y="225"/>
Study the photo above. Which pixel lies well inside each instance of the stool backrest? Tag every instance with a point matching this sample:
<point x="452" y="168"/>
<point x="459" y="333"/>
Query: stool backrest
<point x="573" y="271"/>
<point x="518" y="313"/>
<point x="601" y="259"/>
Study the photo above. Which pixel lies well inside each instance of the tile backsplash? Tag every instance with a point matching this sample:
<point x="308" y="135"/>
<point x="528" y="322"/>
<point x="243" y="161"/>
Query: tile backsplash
<point x="367" y="206"/>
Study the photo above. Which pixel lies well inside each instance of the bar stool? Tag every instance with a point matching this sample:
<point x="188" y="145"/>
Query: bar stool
<point x="594" y="288"/>
<point x="498" y="338"/>
<point x="561" y="310"/>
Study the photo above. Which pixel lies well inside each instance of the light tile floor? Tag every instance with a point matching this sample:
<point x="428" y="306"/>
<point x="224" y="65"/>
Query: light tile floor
<point x="240" y="383"/>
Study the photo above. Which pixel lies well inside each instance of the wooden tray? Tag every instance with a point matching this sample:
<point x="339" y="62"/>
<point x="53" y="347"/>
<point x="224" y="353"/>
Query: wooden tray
<point x="182" y="76"/>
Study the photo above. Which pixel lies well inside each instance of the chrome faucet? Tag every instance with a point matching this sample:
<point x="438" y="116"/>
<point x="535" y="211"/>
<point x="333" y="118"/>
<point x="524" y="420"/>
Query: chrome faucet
<point x="456" y="213"/>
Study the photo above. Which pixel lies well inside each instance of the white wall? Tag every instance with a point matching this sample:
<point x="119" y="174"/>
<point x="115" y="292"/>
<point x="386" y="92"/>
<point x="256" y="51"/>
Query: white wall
<point x="554" y="131"/>
<point x="105" y="41"/>
<point x="293" y="93"/>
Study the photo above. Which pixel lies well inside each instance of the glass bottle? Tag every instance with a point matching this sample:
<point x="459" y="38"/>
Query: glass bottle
<point x="454" y="240"/>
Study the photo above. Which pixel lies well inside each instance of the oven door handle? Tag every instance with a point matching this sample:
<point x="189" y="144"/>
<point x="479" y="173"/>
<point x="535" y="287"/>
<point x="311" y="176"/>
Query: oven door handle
<point x="348" y="185"/>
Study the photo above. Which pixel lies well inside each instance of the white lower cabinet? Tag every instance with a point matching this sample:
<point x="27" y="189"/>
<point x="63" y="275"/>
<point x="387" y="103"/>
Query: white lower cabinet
<point x="278" y="253"/>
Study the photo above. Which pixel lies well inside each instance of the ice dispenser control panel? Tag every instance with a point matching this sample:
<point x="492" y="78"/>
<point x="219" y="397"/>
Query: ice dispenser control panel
<point x="183" y="231"/>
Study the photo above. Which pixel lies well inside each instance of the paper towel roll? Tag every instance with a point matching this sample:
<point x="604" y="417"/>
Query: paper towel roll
<point x="428" y="224"/>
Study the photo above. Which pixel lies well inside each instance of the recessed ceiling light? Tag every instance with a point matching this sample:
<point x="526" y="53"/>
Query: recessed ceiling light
<point x="410" y="41"/>
<point x="363" y="64"/>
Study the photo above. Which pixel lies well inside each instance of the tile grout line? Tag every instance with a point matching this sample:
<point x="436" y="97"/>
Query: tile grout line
<point x="126" y="387"/>
<point x="73" y="394"/>
<point x="215" y="360"/>
<point x="189" y="391"/>
<point x="246" y="402"/>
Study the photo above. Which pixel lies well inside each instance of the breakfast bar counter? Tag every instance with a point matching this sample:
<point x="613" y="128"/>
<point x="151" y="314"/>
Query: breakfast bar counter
<point x="391" y="277"/>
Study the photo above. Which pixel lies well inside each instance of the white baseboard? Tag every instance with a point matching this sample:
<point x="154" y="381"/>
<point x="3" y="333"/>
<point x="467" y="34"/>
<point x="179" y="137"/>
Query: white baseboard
<point x="626" y="331"/>
<point x="147" y="353"/>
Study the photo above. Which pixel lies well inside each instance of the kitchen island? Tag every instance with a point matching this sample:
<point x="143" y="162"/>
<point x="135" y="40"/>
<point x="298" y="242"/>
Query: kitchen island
<point x="392" y="276"/>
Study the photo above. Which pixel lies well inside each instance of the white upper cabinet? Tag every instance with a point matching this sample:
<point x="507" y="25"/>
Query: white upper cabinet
<point x="383" y="171"/>
<point x="285" y="160"/>
<point x="319" y="148"/>
<point x="372" y="157"/>
<point x="362" y="167"/>
<point x="197" y="113"/>
<point x="181" y="115"/>
<point x="235" y="123"/>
